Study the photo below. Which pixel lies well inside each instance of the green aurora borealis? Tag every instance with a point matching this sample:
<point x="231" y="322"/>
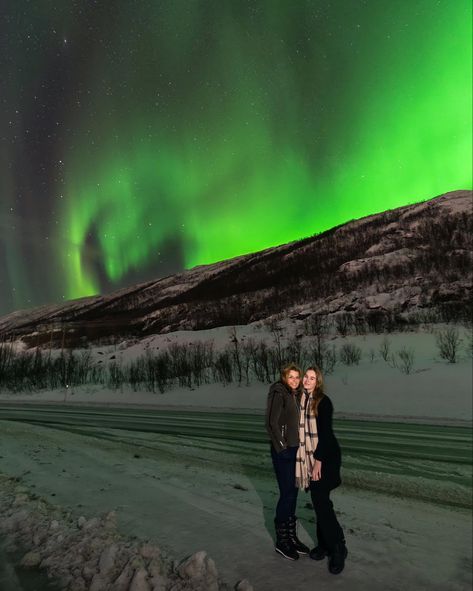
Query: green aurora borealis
<point x="198" y="130"/>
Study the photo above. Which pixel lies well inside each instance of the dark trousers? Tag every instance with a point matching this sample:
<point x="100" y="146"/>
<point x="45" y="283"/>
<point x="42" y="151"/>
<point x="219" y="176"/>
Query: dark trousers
<point x="285" y="468"/>
<point x="329" y="531"/>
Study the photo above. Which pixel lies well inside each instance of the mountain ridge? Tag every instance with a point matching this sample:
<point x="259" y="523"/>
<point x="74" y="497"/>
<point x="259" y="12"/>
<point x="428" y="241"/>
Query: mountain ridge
<point x="416" y="256"/>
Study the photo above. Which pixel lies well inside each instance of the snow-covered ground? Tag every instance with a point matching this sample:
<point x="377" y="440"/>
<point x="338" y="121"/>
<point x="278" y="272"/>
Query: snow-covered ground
<point x="189" y="494"/>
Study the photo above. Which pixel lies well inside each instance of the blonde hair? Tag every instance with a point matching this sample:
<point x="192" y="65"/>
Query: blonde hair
<point x="286" y="369"/>
<point x="319" y="391"/>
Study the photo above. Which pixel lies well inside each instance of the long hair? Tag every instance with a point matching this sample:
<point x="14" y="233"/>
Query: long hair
<point x="319" y="391"/>
<point x="286" y="369"/>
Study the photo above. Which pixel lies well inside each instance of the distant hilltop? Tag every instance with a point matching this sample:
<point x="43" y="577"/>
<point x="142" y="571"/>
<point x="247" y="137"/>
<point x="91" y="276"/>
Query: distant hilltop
<point x="410" y="260"/>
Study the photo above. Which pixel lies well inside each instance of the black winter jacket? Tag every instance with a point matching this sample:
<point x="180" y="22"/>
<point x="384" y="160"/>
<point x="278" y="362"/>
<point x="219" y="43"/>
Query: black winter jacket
<point x="282" y="416"/>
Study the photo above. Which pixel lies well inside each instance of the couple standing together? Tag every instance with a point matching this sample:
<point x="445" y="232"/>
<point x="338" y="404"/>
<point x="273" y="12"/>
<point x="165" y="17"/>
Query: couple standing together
<point x="306" y="455"/>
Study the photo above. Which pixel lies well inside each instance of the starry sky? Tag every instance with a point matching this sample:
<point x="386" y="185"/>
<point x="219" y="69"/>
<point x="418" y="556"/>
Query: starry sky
<point x="141" y="138"/>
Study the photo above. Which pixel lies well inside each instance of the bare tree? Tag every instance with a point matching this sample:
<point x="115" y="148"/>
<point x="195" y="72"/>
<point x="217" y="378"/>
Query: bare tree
<point x="248" y="352"/>
<point x="295" y="352"/>
<point x="236" y="353"/>
<point x="278" y="352"/>
<point x="223" y="367"/>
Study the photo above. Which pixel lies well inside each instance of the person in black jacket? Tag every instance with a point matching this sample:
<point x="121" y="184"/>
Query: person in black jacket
<point x="324" y="471"/>
<point x="282" y="425"/>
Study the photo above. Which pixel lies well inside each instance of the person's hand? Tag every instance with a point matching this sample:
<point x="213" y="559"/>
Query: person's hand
<point x="317" y="470"/>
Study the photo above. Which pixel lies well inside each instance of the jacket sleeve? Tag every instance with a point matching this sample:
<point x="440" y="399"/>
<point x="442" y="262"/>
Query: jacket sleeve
<point x="273" y="412"/>
<point x="324" y="430"/>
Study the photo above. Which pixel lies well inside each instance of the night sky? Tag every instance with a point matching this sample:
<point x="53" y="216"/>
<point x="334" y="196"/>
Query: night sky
<point x="138" y="138"/>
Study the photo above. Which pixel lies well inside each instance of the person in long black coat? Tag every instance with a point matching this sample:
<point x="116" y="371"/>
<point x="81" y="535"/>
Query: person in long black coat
<point x="324" y="474"/>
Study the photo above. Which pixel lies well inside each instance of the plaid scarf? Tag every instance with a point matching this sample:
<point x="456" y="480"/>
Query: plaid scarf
<point x="307" y="442"/>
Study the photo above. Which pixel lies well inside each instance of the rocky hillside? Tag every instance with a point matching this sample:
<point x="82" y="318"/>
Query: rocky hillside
<point x="411" y="260"/>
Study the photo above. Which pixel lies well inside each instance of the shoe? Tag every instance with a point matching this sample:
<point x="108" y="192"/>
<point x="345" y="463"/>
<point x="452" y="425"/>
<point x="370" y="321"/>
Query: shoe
<point x="337" y="558"/>
<point x="284" y="545"/>
<point x="298" y="545"/>
<point x="318" y="553"/>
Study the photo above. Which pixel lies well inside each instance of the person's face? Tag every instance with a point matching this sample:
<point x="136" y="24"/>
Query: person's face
<point x="293" y="379"/>
<point x="310" y="380"/>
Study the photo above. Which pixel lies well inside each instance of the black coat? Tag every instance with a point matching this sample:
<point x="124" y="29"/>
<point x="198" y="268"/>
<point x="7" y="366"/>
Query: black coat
<point x="328" y="450"/>
<point x="282" y="416"/>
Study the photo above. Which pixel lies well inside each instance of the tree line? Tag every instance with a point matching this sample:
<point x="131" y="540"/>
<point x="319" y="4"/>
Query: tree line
<point x="241" y="361"/>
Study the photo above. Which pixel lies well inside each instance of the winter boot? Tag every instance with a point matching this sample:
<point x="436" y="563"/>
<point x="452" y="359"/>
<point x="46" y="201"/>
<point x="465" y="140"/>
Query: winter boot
<point x="337" y="558"/>
<point x="298" y="545"/>
<point x="318" y="553"/>
<point x="283" y="542"/>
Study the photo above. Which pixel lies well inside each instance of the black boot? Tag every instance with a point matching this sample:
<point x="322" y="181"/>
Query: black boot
<point x="336" y="562"/>
<point x="298" y="545"/>
<point x="283" y="542"/>
<point x="318" y="553"/>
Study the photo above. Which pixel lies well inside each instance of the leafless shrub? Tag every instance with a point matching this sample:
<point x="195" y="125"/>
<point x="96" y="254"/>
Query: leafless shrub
<point x="330" y="360"/>
<point x="376" y="320"/>
<point x="350" y="354"/>
<point x="115" y="376"/>
<point x="223" y="367"/>
<point x="316" y="325"/>
<point x="385" y="349"/>
<point x="469" y="343"/>
<point x="359" y="323"/>
<point x="405" y="360"/>
<point x="6" y="355"/>
<point x="343" y="323"/>
<point x="448" y="342"/>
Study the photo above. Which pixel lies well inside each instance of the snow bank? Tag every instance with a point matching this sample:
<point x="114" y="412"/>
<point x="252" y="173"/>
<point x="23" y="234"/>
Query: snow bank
<point x="89" y="554"/>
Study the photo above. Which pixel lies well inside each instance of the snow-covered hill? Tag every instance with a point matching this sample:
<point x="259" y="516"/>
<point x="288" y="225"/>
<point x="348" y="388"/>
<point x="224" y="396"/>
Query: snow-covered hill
<point x="391" y="265"/>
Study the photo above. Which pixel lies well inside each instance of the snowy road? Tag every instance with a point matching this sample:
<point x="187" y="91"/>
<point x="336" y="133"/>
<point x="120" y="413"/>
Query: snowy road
<point x="402" y="440"/>
<point x="425" y="462"/>
<point x="194" y="481"/>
